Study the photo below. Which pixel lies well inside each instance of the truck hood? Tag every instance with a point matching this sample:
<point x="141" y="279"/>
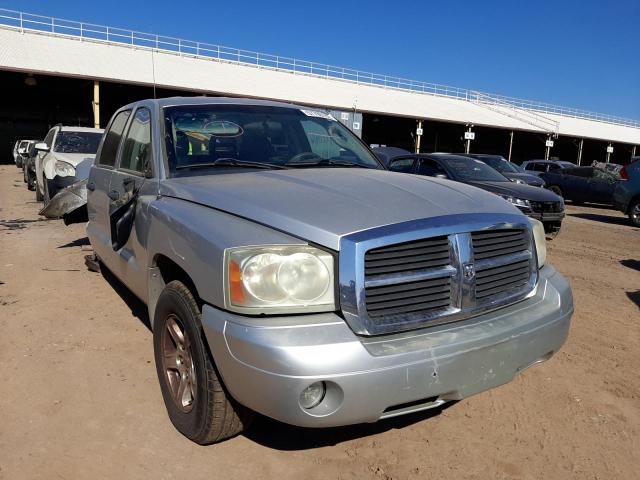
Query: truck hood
<point x="321" y="205"/>
<point x="527" y="192"/>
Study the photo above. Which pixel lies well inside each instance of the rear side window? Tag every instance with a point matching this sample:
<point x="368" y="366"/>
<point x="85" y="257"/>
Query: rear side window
<point x="430" y="168"/>
<point x="112" y="139"/>
<point x="402" y="165"/>
<point x="136" y="152"/>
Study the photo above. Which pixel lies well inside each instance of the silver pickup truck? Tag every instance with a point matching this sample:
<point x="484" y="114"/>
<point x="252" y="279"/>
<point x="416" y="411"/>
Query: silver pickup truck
<point x="286" y="272"/>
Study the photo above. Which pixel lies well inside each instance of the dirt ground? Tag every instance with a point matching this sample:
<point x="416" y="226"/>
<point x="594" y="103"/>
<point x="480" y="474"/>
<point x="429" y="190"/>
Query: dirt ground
<point x="79" y="397"/>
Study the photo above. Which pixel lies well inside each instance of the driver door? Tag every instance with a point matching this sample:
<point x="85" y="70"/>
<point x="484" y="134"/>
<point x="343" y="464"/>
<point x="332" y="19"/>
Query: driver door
<point x="128" y="182"/>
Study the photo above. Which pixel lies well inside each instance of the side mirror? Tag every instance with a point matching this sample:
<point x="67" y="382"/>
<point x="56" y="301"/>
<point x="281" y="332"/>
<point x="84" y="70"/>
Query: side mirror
<point x="42" y="147"/>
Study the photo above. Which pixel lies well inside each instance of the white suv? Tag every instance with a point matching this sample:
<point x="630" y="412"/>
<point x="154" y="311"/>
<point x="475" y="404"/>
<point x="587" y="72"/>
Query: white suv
<point x="64" y="157"/>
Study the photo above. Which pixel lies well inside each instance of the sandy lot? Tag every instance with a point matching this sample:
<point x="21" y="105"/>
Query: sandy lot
<point x="79" y="396"/>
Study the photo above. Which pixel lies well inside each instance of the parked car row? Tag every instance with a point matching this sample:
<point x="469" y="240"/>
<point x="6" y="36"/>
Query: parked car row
<point x="535" y="202"/>
<point x="288" y="271"/>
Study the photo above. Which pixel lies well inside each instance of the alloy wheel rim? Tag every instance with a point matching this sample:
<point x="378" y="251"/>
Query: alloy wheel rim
<point x="178" y="364"/>
<point x="635" y="213"/>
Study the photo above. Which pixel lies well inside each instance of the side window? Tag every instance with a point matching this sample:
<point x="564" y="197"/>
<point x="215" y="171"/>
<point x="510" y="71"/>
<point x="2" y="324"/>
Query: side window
<point x="430" y="168"/>
<point x="136" y="152"/>
<point x="49" y="138"/>
<point x="538" y="167"/>
<point x="553" y="167"/>
<point x="404" y="165"/>
<point x="112" y="139"/>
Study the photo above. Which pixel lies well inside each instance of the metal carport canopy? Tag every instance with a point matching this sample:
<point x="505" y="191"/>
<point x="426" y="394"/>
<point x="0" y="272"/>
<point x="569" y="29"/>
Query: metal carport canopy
<point x="62" y="55"/>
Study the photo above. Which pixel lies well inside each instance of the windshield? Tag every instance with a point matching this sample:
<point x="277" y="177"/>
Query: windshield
<point x="234" y="136"/>
<point x="500" y="164"/>
<point x="77" y="142"/>
<point x="464" y="169"/>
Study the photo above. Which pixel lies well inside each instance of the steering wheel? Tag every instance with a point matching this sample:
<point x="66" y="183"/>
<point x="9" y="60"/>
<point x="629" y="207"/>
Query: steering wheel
<point x="304" y="157"/>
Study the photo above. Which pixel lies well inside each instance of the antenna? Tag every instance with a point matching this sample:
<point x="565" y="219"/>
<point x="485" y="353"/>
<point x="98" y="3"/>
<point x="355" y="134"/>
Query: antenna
<point x="153" y="71"/>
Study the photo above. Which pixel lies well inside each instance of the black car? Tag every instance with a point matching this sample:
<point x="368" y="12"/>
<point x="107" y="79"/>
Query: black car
<point x="29" y="165"/>
<point x="582" y="184"/>
<point x="510" y="170"/>
<point x="535" y="202"/>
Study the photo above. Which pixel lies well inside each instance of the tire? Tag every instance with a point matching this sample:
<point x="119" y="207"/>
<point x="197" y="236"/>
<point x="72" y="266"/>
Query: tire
<point x="39" y="196"/>
<point x="204" y="413"/>
<point x="24" y="173"/>
<point x="555" y="189"/>
<point x="31" y="181"/>
<point x="634" y="212"/>
<point x="45" y="197"/>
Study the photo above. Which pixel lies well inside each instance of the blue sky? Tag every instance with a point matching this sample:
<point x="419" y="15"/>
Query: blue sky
<point x="582" y="54"/>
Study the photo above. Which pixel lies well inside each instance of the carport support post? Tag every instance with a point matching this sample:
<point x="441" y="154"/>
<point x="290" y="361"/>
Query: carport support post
<point x="608" y="152"/>
<point x="547" y="151"/>
<point x="510" y="144"/>
<point x="580" y="145"/>
<point x="633" y="151"/>
<point x="418" y="136"/>
<point x="96" y="104"/>
<point x="467" y="147"/>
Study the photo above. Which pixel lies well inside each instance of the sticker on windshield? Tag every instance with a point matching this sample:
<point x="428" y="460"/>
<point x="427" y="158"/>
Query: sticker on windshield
<point x="318" y="114"/>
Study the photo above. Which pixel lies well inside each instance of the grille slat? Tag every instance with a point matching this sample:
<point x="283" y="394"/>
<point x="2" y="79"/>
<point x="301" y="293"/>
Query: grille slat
<point x="414" y="308"/>
<point x="407" y="246"/>
<point x="407" y="257"/>
<point x="408" y="260"/>
<point x="498" y="246"/>
<point x="499" y="282"/>
<point x="373" y="298"/>
<point x="407" y="253"/>
<point x="480" y="274"/>
<point x="421" y="300"/>
<point x="501" y="289"/>
<point x="406" y="286"/>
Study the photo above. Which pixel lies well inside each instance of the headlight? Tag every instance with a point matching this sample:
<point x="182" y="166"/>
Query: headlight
<point x="279" y="279"/>
<point x="64" y="169"/>
<point x="518" y="202"/>
<point x="541" y="241"/>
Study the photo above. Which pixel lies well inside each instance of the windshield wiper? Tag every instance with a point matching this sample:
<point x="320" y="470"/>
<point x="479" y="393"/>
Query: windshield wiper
<point x="231" y="162"/>
<point x="328" y="162"/>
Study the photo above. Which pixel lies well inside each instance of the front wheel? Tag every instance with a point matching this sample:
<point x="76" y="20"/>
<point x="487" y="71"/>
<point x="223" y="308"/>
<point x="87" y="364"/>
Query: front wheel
<point x="634" y="212"/>
<point x="196" y="400"/>
<point x="39" y="196"/>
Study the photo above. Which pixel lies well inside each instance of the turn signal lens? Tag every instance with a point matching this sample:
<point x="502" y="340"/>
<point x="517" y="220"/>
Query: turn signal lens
<point x="541" y="241"/>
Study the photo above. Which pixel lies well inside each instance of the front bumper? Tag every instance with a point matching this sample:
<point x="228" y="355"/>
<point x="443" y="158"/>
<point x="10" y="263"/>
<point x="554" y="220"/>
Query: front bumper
<point x="58" y="183"/>
<point x="267" y="362"/>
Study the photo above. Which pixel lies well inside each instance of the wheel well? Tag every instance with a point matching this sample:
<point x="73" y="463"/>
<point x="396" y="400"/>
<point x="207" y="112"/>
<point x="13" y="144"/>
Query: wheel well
<point x="170" y="270"/>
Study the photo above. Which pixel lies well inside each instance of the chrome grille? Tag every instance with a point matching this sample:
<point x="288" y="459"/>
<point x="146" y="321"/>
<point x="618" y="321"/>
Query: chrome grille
<point x="400" y="285"/>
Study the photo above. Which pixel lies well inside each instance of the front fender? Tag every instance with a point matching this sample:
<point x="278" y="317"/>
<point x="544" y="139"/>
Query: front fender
<point x="195" y="237"/>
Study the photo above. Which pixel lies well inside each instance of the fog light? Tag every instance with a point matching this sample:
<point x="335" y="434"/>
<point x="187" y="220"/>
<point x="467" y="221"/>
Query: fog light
<point x="312" y="395"/>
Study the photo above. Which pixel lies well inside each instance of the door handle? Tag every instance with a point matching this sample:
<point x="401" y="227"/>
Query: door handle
<point x="114" y="195"/>
<point x="91" y="186"/>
